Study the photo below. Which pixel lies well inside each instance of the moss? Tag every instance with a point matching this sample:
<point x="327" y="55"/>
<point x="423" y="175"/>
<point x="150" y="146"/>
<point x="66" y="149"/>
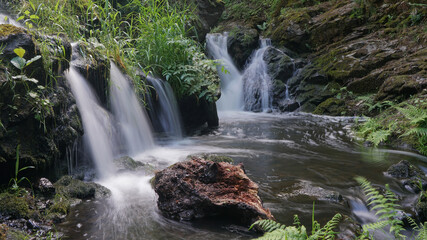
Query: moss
<point x="3" y="231"/>
<point x="8" y="29"/>
<point x="331" y="106"/>
<point x="60" y="205"/>
<point x="14" y="206"/>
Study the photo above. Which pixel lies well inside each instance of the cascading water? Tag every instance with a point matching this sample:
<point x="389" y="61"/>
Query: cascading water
<point x="96" y="123"/>
<point x="256" y="81"/>
<point x="231" y="78"/>
<point x="132" y="119"/>
<point x="164" y="109"/>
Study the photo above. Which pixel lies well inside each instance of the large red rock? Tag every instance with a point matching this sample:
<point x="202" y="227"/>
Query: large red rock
<point x="198" y="188"/>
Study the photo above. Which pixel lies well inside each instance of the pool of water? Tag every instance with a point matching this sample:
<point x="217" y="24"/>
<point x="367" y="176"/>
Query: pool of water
<point x="278" y="151"/>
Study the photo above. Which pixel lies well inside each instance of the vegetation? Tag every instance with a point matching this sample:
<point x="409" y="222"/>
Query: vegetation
<point x="149" y="35"/>
<point x="407" y="121"/>
<point x="276" y="231"/>
<point x="14" y="182"/>
<point x="386" y="207"/>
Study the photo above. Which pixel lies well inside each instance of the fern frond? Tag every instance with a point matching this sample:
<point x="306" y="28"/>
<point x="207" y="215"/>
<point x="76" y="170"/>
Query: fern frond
<point x="277" y="234"/>
<point x="327" y="231"/>
<point x="375" y="226"/>
<point x="267" y="225"/>
<point x="376" y="137"/>
<point x="420" y="131"/>
<point x="422" y="232"/>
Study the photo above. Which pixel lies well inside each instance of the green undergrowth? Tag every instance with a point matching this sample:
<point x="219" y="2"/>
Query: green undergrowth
<point x="403" y="122"/>
<point x="152" y="36"/>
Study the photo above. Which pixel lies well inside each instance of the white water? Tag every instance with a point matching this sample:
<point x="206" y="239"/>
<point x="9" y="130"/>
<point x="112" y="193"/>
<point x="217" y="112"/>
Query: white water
<point x="96" y="123"/>
<point x="6" y="19"/>
<point x="257" y="82"/>
<point x="131" y="117"/>
<point x="166" y="109"/>
<point x="231" y="79"/>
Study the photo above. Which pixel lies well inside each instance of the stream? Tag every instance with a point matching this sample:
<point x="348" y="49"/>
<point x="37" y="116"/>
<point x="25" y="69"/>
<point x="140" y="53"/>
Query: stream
<point x="277" y="151"/>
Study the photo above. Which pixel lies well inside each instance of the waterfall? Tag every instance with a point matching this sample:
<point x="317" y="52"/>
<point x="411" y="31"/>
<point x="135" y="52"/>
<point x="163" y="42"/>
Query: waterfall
<point x="97" y="124"/>
<point x="231" y="78"/>
<point x="164" y="109"/>
<point x="256" y="81"/>
<point x="131" y="117"/>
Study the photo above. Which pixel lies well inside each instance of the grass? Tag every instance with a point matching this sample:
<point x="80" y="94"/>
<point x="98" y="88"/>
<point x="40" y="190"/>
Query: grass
<point x="151" y="35"/>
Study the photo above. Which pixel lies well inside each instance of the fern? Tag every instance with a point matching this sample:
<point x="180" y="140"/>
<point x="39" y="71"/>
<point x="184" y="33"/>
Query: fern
<point x="327" y="232"/>
<point x="418" y="119"/>
<point x="385" y="207"/>
<point x="277" y="231"/>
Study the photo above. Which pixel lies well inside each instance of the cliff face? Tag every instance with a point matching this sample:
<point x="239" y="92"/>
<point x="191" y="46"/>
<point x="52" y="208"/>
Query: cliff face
<point x="351" y="54"/>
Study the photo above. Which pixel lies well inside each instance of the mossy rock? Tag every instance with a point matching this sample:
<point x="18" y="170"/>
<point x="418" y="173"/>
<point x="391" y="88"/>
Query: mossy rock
<point x="399" y="88"/>
<point x="213" y="157"/>
<point x="8" y="29"/>
<point x="126" y="163"/>
<point x="14" y="206"/>
<point x="74" y="188"/>
<point x="61" y="205"/>
<point x="242" y="42"/>
<point x="332" y="107"/>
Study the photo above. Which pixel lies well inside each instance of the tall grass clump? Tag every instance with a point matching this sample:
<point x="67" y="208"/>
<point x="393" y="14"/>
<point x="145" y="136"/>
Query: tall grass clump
<point x="151" y="35"/>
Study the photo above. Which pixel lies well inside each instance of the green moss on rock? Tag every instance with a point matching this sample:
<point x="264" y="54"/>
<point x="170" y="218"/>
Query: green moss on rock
<point x="7" y="29"/>
<point x="331" y="106"/>
<point x="14" y="206"/>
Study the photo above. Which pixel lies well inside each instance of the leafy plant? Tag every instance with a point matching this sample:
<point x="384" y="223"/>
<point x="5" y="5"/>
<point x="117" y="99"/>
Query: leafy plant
<point x="418" y="120"/>
<point x="14" y="182"/>
<point x="385" y="206"/>
<point x="277" y="231"/>
<point x="20" y="62"/>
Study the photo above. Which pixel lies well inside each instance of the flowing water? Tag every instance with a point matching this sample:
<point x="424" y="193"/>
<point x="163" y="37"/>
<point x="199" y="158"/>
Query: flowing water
<point x="97" y="124"/>
<point x="163" y="109"/>
<point x="257" y="82"/>
<point x="279" y="152"/>
<point x="231" y="78"/>
<point x="131" y="117"/>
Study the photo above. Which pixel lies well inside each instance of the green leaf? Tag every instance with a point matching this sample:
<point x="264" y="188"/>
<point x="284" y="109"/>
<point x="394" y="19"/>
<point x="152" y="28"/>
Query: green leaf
<point x="20" y="18"/>
<point x="33" y="60"/>
<point x="17" y="162"/>
<point x="18" y="62"/>
<point x="19" y="51"/>
<point x="27" y="13"/>
<point x="34" y="17"/>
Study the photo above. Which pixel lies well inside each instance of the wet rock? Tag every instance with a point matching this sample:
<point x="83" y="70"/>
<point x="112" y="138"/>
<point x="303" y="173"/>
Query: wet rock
<point x="197" y="113"/>
<point x="45" y="187"/>
<point x="348" y="229"/>
<point x="198" y="188"/>
<point x="208" y="13"/>
<point x="74" y="188"/>
<point x="331" y="107"/>
<point x="36" y="113"/>
<point x="126" y="163"/>
<point x="13" y="206"/>
<point x="242" y="41"/>
<point x="95" y="69"/>
<point x="400" y="87"/>
<point x="305" y="192"/>
<point x="421" y="207"/>
<point x="411" y="177"/>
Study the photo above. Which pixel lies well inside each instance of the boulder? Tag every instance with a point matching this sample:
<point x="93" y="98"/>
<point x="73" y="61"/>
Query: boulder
<point x="198" y="112"/>
<point x="208" y="12"/>
<point x="242" y="41"/>
<point x="45" y="187"/>
<point x="94" y="67"/>
<point x="410" y="176"/>
<point x="198" y="188"/>
<point x="37" y="109"/>
<point x="305" y="192"/>
<point x="74" y="188"/>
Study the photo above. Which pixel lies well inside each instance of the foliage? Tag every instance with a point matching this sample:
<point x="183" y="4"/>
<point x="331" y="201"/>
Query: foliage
<point x="14" y="182"/>
<point x="385" y="205"/>
<point x="386" y="208"/>
<point x="277" y="231"/>
<point x="418" y="120"/>
<point x="150" y="35"/>
<point x="20" y="62"/>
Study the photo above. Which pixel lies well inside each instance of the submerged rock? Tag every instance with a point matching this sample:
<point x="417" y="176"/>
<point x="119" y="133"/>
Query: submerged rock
<point x="74" y="188"/>
<point x="305" y="192"/>
<point x="198" y="188"/>
<point x="410" y="176"/>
